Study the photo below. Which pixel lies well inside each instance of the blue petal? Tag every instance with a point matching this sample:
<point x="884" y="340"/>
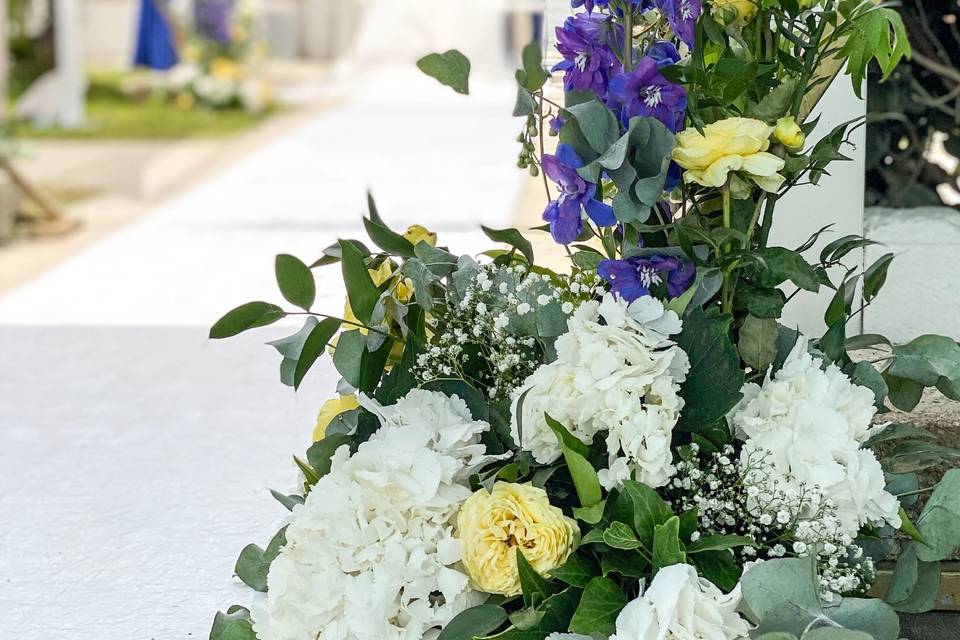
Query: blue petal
<point x="600" y="213"/>
<point x="568" y="156"/>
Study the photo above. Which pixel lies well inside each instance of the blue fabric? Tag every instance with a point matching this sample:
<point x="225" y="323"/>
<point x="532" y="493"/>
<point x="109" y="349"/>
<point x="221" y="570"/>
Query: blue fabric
<point x="155" y="48"/>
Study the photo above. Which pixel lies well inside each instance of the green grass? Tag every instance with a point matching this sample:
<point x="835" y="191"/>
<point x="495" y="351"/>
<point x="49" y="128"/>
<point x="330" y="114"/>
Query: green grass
<point x="113" y="115"/>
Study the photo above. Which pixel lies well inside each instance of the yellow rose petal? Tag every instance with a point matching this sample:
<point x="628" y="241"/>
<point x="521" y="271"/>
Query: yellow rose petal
<point x="330" y="410"/>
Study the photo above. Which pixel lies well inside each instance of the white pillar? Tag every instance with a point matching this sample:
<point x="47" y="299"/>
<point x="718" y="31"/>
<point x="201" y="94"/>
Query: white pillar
<point x="68" y="52"/>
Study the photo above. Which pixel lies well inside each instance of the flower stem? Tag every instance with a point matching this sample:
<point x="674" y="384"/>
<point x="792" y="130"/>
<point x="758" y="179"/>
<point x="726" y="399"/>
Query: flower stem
<point x="726" y="293"/>
<point x="627" y="36"/>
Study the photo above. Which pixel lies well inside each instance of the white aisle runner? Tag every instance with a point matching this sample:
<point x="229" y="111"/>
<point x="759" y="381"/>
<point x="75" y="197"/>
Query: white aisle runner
<point x="135" y="455"/>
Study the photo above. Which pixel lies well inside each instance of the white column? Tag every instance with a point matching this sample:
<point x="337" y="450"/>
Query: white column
<point x="68" y="52"/>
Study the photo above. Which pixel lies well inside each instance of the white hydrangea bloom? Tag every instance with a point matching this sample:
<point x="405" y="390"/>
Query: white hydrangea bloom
<point x="372" y="544"/>
<point x="616" y="371"/>
<point x="680" y="604"/>
<point x="813" y="420"/>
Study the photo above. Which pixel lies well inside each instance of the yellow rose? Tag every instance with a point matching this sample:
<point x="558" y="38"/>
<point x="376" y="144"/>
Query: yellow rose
<point x="416" y="234"/>
<point x="225" y="69"/>
<point x="789" y="133"/>
<point x="745" y="9"/>
<point x="734" y="144"/>
<point x="492" y="526"/>
<point x="330" y="410"/>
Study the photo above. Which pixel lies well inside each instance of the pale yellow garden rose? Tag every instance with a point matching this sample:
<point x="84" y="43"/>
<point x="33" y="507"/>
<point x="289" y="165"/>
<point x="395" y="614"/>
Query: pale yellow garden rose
<point x="789" y="133"/>
<point x="416" y="234"/>
<point x="330" y="410"/>
<point x="225" y="69"/>
<point x="725" y="146"/>
<point x="491" y="526"/>
<point x="745" y="9"/>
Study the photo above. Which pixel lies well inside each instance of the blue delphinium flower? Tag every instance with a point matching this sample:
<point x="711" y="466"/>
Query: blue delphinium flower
<point x="589" y="63"/>
<point x="576" y="195"/>
<point x="645" y="92"/>
<point x="664" y="53"/>
<point x="632" y="278"/>
<point x="682" y="16"/>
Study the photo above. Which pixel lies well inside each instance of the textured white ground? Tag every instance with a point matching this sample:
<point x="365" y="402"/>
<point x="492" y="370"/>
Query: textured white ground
<point x="135" y="455"/>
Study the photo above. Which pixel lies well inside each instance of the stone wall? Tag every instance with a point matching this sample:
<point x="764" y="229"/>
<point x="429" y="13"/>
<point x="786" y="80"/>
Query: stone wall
<point x="921" y="294"/>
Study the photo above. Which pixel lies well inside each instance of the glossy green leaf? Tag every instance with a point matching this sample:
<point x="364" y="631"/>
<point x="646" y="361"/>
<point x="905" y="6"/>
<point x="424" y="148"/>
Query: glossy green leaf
<point x="599" y="607"/>
<point x="314" y="346"/>
<point x="577" y="571"/>
<point x="247" y="316"/>
<point x="666" y="544"/>
<point x="535" y="587"/>
<point x="513" y="238"/>
<point x="361" y="291"/>
<point x="758" y="342"/>
<point x="295" y="281"/>
<point x="620" y="536"/>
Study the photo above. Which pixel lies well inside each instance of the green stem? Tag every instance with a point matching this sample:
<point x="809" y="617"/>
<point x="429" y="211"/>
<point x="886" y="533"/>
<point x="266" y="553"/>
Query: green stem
<point x="726" y="293"/>
<point x="627" y="36"/>
<point x="767" y="220"/>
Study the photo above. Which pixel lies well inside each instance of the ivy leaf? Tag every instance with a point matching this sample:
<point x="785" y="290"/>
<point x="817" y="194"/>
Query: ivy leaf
<point x="247" y="316"/>
<point x="719" y="567"/>
<point x="621" y="536"/>
<point x="535" y="587"/>
<point x="713" y="385"/>
<point x="577" y="571"/>
<point x="647" y="508"/>
<point x="599" y="607"/>
<point x="666" y="544"/>
<point x="451" y="68"/>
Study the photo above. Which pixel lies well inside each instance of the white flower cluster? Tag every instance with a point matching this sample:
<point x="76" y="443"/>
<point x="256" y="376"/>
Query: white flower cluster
<point x="814" y="420"/>
<point x="481" y="336"/>
<point x="618" y="372"/>
<point x="746" y="497"/>
<point x="370" y="554"/>
<point x="680" y="604"/>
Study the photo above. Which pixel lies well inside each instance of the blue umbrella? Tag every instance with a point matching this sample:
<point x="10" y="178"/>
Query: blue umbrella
<point x="155" y="39"/>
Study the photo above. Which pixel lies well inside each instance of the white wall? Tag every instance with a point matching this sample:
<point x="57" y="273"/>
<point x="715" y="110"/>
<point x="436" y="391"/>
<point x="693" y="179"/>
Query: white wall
<point x="837" y="200"/>
<point x="109" y="32"/>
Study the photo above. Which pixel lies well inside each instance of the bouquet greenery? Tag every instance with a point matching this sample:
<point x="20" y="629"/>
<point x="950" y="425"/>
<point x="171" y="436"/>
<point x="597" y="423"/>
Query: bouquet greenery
<point x="637" y="447"/>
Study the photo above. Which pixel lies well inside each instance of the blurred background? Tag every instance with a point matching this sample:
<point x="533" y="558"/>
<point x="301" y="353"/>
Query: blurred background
<point x="155" y="156"/>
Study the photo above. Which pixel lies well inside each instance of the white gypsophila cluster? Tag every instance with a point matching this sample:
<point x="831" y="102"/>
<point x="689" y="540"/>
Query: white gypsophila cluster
<point x="370" y="554"/>
<point x="618" y="372"/>
<point x="813" y="420"/>
<point x="480" y="336"/>
<point x="680" y="604"/>
<point x="744" y="496"/>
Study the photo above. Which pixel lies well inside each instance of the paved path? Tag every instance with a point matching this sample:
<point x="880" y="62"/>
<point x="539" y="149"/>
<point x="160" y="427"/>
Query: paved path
<point x="135" y="455"/>
<point x="429" y="155"/>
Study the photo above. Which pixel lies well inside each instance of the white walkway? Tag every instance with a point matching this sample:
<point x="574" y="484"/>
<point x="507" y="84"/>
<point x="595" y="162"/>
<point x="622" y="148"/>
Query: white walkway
<point x="135" y="455"/>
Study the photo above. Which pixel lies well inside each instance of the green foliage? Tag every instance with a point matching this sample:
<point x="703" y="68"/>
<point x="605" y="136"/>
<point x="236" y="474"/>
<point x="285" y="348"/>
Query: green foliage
<point x="599" y="607"/>
<point x="474" y="622"/>
<point x="939" y="522"/>
<point x="782" y="595"/>
<point x="513" y="238"/>
<point x="877" y="33"/>
<point x="247" y="316"/>
<point x="295" y="281"/>
<point x="450" y="68"/>
<point x="533" y="76"/>
<point x="361" y="291"/>
<point x="713" y="385"/>
<point x="758" y="342"/>
<point x="314" y="345"/>
<point x="666" y="544"/>
<point x="235" y="624"/>
<point x="253" y="565"/>
<point x="914" y="584"/>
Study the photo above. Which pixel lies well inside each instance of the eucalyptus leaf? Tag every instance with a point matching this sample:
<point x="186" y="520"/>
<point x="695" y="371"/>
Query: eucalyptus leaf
<point x="450" y="68"/>
<point x="247" y="316"/>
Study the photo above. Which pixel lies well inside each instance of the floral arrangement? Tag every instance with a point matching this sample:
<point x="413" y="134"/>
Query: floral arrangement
<point x="220" y="62"/>
<point x="635" y="447"/>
